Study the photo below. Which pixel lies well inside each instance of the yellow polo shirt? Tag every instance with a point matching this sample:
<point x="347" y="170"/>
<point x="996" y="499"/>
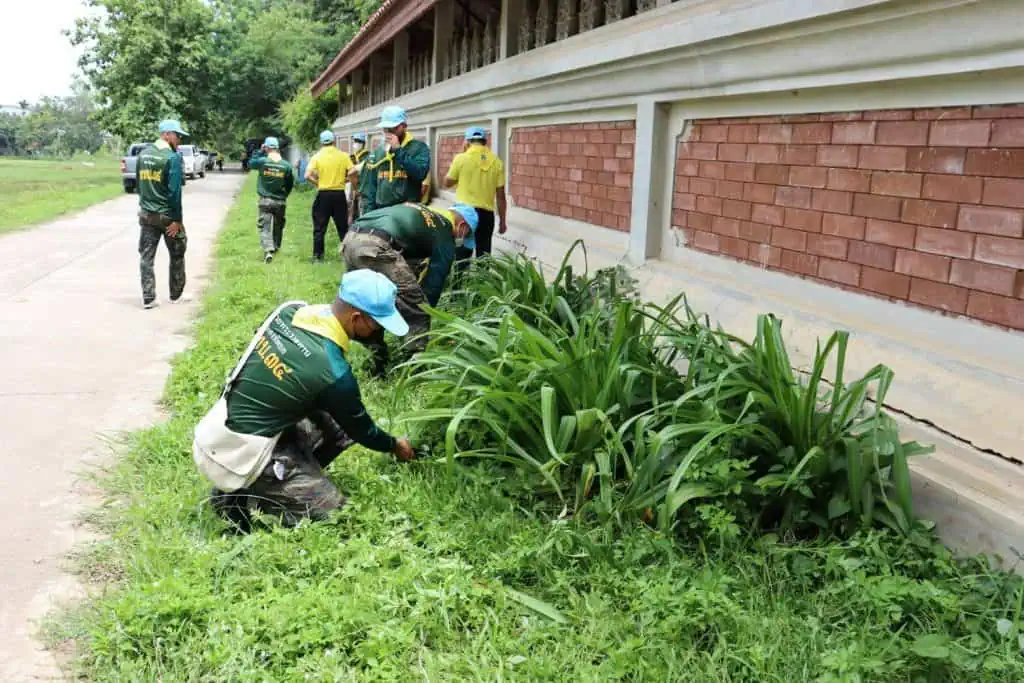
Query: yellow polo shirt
<point x="332" y="167"/>
<point x="479" y="173"/>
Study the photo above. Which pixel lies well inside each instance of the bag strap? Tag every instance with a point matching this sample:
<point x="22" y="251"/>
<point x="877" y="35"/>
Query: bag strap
<point x="255" y="340"/>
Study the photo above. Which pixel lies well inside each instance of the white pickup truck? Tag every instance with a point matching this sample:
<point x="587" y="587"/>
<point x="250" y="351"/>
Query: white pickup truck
<point x="129" y="164"/>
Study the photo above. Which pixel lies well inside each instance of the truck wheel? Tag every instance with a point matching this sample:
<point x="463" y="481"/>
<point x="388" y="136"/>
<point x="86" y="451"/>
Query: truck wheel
<point x="129" y="186"/>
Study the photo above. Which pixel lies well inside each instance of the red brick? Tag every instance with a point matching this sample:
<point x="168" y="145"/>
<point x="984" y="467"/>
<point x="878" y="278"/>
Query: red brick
<point x="772" y="174"/>
<point x="800" y="155"/>
<point x="1004" y="192"/>
<point x="872" y="206"/>
<point x="937" y="295"/>
<point x="698" y="150"/>
<point x="764" y="154"/>
<point x="699" y="221"/>
<point x="889" y="115"/>
<point x="624" y="151"/>
<point x="705" y="241"/>
<point x="999" y="111"/>
<point x="849" y="180"/>
<point x="741" y="133"/>
<point x="1005" y="163"/>
<point x="827" y="245"/>
<point x="944" y="242"/>
<point x="772" y="215"/>
<point x="801" y="219"/>
<point x="991" y="221"/>
<point x="808" y="176"/>
<point x="624" y="180"/>
<point x="729" y="189"/>
<point x="812" y="133"/>
<point x="755" y="232"/>
<point x="710" y="133"/>
<point x="758" y="193"/>
<point x="733" y="246"/>
<point x="981" y="276"/>
<point x="729" y="227"/>
<point x="996" y="309"/>
<point x="944" y="113"/>
<point x="629" y="136"/>
<point x="708" y="169"/>
<point x="832" y="201"/>
<point x="876" y="255"/>
<point x="733" y="208"/>
<point x="798" y="197"/>
<point x="765" y="255"/>
<point x="732" y="152"/>
<point x="1018" y="290"/>
<point x="687" y="167"/>
<point x="959" y="133"/>
<point x="789" y="239"/>
<point x="709" y="205"/>
<point x="843" y="116"/>
<point x="740" y="172"/>
<point x="703" y="186"/>
<point x="927" y="266"/>
<point x="1001" y="251"/>
<point x="885" y="282"/>
<point x="936" y="160"/>
<point x="850" y="227"/>
<point x="893" y="234"/>
<point x="883" y="158"/>
<point x="854" y="133"/>
<point x="902" y="133"/>
<point x="1008" y="133"/>
<point x="896" y="184"/>
<point x="928" y="212"/>
<point x="839" y="271"/>
<point x="844" y="156"/>
<point x="952" y="188"/>
<point x="795" y="262"/>
<point x="775" y="132"/>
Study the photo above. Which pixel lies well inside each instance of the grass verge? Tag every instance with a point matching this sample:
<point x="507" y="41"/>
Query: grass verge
<point x="33" y="191"/>
<point x="437" y="576"/>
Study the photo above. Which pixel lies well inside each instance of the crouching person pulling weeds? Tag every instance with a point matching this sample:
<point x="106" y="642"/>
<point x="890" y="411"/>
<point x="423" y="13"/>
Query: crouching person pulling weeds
<point x="291" y="405"/>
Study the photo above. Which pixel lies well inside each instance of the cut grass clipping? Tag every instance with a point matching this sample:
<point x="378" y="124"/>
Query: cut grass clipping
<point x="32" y="191"/>
<point x="452" y="570"/>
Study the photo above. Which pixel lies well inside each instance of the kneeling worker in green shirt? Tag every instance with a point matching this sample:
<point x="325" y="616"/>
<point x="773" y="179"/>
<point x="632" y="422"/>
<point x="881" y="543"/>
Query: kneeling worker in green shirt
<point x="397" y="241"/>
<point x="292" y="404"/>
<point x="276" y="180"/>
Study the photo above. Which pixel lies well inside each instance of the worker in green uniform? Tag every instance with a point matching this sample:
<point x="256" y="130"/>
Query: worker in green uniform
<point x="397" y="241"/>
<point x="399" y="166"/>
<point x="292" y="404"/>
<point x="359" y="150"/>
<point x="276" y="180"/>
<point x="160" y="217"/>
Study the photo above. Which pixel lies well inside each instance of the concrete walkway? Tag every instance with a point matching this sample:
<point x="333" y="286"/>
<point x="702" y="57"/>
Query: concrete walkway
<point x="80" y="360"/>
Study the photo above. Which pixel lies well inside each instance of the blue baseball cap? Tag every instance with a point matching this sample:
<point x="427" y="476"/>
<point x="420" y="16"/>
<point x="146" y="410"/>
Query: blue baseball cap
<point x="374" y="295"/>
<point x="472" y="219"/>
<point x="476" y="133"/>
<point x="172" y="126"/>
<point x="326" y="138"/>
<point x="272" y="143"/>
<point x="392" y="117"/>
<point x="359" y="137"/>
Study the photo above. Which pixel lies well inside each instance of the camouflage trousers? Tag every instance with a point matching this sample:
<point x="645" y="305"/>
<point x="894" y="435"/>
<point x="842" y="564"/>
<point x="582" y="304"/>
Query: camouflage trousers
<point x="153" y="228"/>
<point x="360" y="250"/>
<point x="293" y="485"/>
<point x="271" y="224"/>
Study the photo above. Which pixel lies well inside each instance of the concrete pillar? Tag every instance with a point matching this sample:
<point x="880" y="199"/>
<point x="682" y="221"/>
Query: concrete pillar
<point x="430" y="137"/>
<point x="649" y="159"/>
<point x="444" y="21"/>
<point x="401" y="62"/>
<point x="508" y="28"/>
<point x="499" y="145"/>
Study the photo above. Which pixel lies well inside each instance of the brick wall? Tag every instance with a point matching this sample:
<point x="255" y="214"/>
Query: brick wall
<point x="579" y="171"/>
<point x="447" y="147"/>
<point x="923" y="205"/>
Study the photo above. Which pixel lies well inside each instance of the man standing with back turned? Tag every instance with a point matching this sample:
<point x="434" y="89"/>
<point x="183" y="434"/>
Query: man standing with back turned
<point x="329" y="169"/>
<point x="276" y="180"/>
<point x="160" y="181"/>
<point x="479" y="177"/>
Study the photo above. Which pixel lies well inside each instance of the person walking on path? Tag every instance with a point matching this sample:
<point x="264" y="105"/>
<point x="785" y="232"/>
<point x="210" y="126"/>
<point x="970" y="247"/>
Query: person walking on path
<point x="399" y="166"/>
<point x="397" y="241"/>
<point x="292" y="405"/>
<point x="478" y="175"/>
<point x="275" y="183"/>
<point x="160" y="215"/>
<point x="329" y="170"/>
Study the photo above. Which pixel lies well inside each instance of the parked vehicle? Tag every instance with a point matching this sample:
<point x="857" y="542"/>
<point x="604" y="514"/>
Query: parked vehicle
<point x="204" y="159"/>
<point x="129" y="166"/>
<point x="211" y="158"/>
<point x="192" y="162"/>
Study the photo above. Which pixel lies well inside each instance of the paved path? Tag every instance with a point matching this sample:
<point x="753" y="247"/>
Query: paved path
<point x="79" y="359"/>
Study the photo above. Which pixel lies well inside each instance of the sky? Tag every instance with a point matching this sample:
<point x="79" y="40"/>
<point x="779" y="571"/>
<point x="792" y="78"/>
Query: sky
<point x="36" y="57"/>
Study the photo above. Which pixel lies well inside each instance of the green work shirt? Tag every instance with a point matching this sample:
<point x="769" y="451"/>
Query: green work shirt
<point x="276" y="176"/>
<point x="397" y="175"/>
<point x="299" y="364"/>
<point x="421" y="233"/>
<point x="159" y="179"/>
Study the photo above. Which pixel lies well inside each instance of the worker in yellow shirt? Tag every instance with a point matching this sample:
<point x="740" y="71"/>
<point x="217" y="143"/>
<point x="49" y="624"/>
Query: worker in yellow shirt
<point x="479" y="178"/>
<point x="329" y="169"/>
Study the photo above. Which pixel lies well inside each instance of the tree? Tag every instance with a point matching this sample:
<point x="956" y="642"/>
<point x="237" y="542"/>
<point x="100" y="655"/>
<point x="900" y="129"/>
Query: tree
<point x="304" y="117"/>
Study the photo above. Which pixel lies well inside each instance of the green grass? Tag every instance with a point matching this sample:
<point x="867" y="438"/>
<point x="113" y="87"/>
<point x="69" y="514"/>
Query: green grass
<point x="428" y="575"/>
<point x="33" y="191"/>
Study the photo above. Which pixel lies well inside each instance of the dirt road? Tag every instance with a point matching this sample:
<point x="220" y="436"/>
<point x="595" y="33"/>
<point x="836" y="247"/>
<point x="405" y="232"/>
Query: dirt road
<point x="79" y="360"/>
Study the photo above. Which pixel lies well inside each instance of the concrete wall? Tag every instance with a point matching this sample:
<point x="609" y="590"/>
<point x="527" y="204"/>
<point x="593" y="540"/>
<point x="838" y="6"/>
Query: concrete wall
<point x="854" y="117"/>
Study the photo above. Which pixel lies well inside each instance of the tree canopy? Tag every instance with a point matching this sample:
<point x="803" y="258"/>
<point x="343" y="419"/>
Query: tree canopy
<point x="55" y="125"/>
